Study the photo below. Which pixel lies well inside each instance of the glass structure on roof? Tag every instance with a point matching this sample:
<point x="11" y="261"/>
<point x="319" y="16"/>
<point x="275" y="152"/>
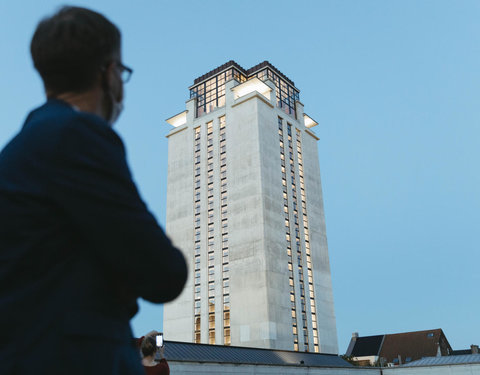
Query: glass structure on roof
<point x="210" y="93"/>
<point x="287" y="94"/>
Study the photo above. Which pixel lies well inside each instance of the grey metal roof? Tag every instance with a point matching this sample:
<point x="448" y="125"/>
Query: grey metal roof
<point x="445" y="360"/>
<point x="188" y="352"/>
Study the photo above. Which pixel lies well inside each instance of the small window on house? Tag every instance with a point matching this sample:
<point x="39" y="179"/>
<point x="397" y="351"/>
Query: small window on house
<point x="430" y="334"/>
<point x="408" y="359"/>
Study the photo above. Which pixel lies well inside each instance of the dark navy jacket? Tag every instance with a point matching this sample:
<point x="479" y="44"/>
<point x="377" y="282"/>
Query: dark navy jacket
<point x="77" y="248"/>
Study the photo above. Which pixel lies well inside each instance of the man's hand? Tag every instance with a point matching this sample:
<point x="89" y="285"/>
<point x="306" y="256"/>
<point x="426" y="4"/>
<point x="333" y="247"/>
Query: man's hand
<point x="161" y="352"/>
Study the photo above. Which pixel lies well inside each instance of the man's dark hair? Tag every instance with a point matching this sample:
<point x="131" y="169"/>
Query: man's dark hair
<point x="71" y="47"/>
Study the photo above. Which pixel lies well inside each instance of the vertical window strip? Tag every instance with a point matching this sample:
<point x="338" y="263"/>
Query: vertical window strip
<point x="224" y="231"/>
<point x="287" y="234"/>
<point x="211" y="245"/>
<point x="298" y="246"/>
<point x="311" y="293"/>
<point x="196" y="252"/>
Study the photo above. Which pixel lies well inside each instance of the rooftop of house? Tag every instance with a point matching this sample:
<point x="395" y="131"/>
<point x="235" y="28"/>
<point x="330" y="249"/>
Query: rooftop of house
<point x="408" y="345"/>
<point x="411" y="345"/>
<point x="446" y="360"/>
<point x="204" y="353"/>
<point x="367" y="346"/>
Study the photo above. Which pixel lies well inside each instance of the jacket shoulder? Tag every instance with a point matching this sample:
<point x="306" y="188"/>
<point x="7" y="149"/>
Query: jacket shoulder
<point x="57" y="122"/>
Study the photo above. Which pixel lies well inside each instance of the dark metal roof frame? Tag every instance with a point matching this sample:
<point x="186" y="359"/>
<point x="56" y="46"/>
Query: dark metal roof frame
<point x="247" y="73"/>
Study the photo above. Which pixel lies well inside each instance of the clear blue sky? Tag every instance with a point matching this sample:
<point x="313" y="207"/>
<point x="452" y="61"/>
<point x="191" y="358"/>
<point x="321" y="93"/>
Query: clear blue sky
<point x="395" y="86"/>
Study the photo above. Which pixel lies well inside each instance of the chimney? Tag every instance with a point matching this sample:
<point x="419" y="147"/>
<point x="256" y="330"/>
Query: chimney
<point x="355" y="336"/>
<point x="474" y="349"/>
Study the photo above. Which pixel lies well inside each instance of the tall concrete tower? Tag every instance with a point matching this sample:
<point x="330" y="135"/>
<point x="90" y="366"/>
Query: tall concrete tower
<point x="244" y="203"/>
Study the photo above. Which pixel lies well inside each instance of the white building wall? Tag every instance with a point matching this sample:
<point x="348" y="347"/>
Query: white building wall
<point x="466" y="369"/>
<point x="274" y="228"/>
<point x="180" y="223"/>
<point x="227" y="369"/>
<point x="249" y="301"/>
<point x="319" y="247"/>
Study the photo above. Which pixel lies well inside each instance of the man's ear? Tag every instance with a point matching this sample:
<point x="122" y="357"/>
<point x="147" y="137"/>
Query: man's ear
<point x="109" y="74"/>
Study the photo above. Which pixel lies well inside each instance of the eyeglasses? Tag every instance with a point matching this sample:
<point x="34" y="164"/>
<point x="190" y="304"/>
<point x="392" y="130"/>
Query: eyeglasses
<point x="125" y="72"/>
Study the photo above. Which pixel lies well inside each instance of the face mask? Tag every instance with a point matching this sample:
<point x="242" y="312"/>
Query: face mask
<point x="116" y="109"/>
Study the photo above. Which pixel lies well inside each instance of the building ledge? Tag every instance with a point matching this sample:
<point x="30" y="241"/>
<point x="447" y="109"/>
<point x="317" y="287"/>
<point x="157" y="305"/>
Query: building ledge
<point x="312" y="134"/>
<point x="177" y="130"/>
<point x="254" y="94"/>
<point x="309" y="122"/>
<point x="178" y="120"/>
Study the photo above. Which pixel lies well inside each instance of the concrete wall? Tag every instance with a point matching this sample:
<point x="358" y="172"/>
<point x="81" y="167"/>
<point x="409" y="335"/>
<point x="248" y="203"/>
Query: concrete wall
<point x="180" y="223"/>
<point x="327" y="329"/>
<point x="215" y="368"/>
<point x="226" y="369"/>
<point x="250" y="322"/>
<point x="468" y="369"/>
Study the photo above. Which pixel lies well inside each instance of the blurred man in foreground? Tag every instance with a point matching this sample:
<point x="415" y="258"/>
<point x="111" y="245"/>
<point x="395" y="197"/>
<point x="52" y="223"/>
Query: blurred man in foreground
<point x="77" y="244"/>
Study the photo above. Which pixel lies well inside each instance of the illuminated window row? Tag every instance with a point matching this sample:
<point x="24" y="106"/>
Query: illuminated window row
<point x="211" y="227"/>
<point x="307" y="244"/>
<point x="196" y="253"/>
<point x="287" y="234"/>
<point x="224" y="232"/>
<point x="210" y="237"/>
<point x="296" y="229"/>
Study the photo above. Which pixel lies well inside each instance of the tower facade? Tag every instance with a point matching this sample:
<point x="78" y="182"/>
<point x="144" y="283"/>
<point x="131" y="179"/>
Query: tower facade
<point x="244" y="203"/>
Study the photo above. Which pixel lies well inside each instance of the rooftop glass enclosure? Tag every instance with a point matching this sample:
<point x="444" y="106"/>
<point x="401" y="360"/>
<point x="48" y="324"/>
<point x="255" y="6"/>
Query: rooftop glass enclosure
<point x="210" y="88"/>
